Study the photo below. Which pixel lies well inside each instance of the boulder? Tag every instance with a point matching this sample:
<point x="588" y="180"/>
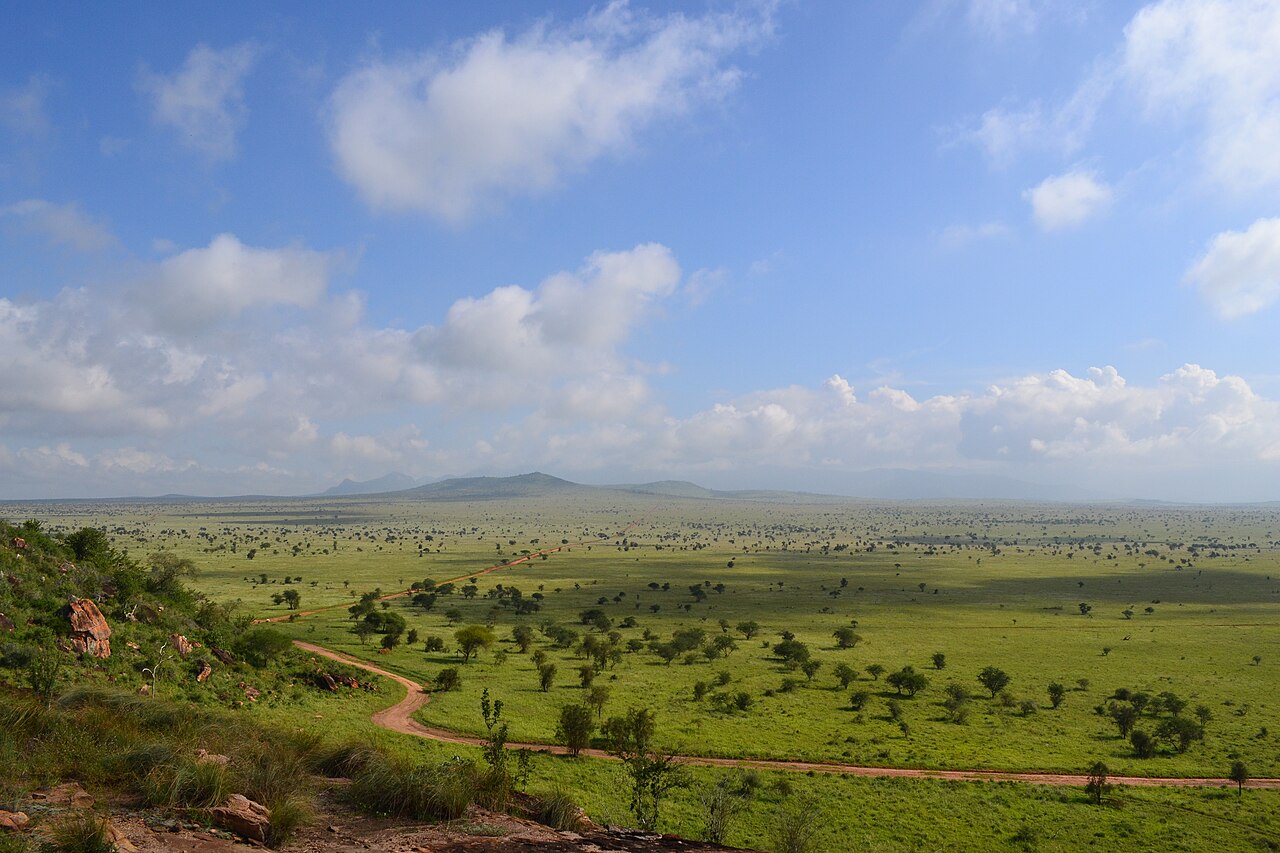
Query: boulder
<point x="244" y="817"/>
<point x="204" y="673"/>
<point x="13" y="821"/>
<point x="181" y="644"/>
<point x="90" y="633"/>
<point x="222" y="655"/>
<point x="67" y="794"/>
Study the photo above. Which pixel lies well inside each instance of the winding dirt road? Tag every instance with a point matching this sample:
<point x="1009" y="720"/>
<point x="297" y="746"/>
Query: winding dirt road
<point x="399" y="718"/>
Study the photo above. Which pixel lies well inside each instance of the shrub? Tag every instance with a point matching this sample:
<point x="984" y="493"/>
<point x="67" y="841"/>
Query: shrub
<point x="259" y="646"/>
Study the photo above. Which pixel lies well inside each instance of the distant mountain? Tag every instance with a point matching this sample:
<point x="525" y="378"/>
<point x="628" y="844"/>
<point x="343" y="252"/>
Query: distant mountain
<point x="532" y="485"/>
<point x="392" y="482"/>
<point x="877" y="484"/>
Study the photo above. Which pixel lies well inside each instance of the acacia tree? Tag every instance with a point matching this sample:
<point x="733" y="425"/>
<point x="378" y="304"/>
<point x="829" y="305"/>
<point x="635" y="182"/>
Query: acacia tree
<point x="1056" y="694"/>
<point x="1239" y="774"/>
<point x="653" y="772"/>
<point x="993" y="679"/>
<point x="575" y="727"/>
<point x="472" y="639"/>
<point x="1096" y="784"/>
<point x="846" y="638"/>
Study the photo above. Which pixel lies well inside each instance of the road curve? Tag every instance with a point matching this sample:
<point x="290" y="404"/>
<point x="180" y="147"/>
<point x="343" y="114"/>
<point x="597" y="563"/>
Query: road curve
<point x="399" y="718"/>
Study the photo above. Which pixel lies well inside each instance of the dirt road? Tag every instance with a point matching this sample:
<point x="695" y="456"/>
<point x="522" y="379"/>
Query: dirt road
<point x="399" y="718"/>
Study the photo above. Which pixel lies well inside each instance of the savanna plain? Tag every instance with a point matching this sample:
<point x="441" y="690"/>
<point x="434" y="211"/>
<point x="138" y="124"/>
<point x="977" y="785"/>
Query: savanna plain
<point x="1039" y="638"/>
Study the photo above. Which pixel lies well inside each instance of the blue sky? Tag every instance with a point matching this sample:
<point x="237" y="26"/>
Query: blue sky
<point x="251" y="249"/>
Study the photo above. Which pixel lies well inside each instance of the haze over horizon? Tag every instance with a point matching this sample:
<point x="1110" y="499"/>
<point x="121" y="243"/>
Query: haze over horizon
<point x="749" y="245"/>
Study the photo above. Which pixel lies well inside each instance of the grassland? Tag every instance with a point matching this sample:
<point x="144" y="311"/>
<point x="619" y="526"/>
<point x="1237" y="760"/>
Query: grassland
<point x="985" y="584"/>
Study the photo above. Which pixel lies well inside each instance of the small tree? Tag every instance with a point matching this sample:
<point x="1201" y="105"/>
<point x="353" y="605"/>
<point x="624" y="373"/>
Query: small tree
<point x="795" y="826"/>
<point x="597" y="698"/>
<point x="1144" y="746"/>
<point x="810" y="669"/>
<point x="1056" y="694"/>
<point x="993" y="679"/>
<point x="653" y="772"/>
<point x="875" y="670"/>
<point x="908" y="679"/>
<point x="721" y="802"/>
<point x="1096" y="783"/>
<point x="472" y="639"/>
<point x="546" y="676"/>
<point x="523" y="636"/>
<point x="1239" y="774"/>
<point x="845" y="673"/>
<point x="42" y="674"/>
<point x="448" y="679"/>
<point x="748" y="629"/>
<point x="576" y="725"/>
<point x="858" y="699"/>
<point x="846" y="638"/>
<point x="939" y="660"/>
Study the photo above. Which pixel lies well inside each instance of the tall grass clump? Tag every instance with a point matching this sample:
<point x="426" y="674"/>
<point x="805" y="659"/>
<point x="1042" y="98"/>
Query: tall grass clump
<point x="84" y="832"/>
<point x="187" y="784"/>
<point x="389" y="786"/>
<point x="556" y="809"/>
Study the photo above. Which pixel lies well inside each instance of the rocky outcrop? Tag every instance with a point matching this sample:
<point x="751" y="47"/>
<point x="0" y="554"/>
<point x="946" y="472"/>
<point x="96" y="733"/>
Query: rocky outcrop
<point x="13" y="821"/>
<point x="181" y="644"/>
<point x="90" y="633"/>
<point x="244" y="817"/>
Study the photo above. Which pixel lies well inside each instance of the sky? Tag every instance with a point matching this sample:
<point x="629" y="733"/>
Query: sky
<point x="260" y="248"/>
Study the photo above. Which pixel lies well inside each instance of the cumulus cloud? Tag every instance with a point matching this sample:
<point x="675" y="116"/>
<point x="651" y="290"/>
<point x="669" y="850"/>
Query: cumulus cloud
<point x="1214" y="62"/>
<point x="62" y="224"/>
<point x="1206" y="64"/>
<point x="22" y="108"/>
<point x="497" y="115"/>
<point x="590" y="311"/>
<point x="1068" y="200"/>
<point x="199" y="287"/>
<point x="203" y="100"/>
<point x="1239" y="274"/>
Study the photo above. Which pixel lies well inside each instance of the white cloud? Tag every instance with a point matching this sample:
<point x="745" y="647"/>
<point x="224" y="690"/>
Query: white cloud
<point x="22" y="108"/>
<point x="64" y="224"/>
<point x="199" y="287"/>
<point x="1214" y="62"/>
<point x="1239" y="274"/>
<point x="1206" y="64"/>
<point x="1068" y="200"/>
<point x="569" y="316"/>
<point x="497" y="116"/>
<point x="959" y="236"/>
<point x="204" y="100"/>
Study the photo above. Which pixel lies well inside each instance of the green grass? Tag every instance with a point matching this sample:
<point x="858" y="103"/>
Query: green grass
<point x="1002" y="585"/>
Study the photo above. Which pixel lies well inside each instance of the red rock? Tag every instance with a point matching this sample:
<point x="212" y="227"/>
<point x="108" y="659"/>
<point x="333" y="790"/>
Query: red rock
<point x="13" y="821"/>
<point x="244" y="817"/>
<point x="66" y="794"/>
<point x="19" y="543"/>
<point x="204" y="673"/>
<point x="181" y="644"/>
<point x="90" y="633"/>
